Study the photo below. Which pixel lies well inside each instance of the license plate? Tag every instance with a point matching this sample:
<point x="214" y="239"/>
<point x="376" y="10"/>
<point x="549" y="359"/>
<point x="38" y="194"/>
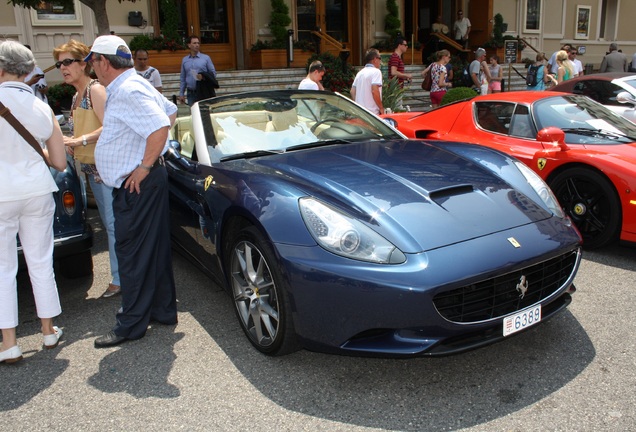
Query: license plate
<point x="521" y="320"/>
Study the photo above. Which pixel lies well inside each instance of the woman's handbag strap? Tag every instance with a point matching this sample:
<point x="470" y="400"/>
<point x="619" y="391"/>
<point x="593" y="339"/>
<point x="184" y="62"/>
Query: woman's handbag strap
<point x="28" y="137"/>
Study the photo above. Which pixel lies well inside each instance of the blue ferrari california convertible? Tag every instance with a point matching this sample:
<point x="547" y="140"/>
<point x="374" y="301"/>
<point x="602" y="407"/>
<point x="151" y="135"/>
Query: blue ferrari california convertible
<point x="333" y="232"/>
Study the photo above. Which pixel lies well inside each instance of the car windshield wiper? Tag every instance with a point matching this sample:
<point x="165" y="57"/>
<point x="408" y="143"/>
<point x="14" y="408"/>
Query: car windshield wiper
<point x="251" y="154"/>
<point x="317" y="144"/>
<point x="595" y="132"/>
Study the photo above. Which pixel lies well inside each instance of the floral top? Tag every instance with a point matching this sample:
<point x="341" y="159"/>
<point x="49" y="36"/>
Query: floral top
<point x="436" y="71"/>
<point x="85" y="103"/>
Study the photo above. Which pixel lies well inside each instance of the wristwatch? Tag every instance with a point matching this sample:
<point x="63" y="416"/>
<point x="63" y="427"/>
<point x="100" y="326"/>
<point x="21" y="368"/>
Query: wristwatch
<point x="84" y="142"/>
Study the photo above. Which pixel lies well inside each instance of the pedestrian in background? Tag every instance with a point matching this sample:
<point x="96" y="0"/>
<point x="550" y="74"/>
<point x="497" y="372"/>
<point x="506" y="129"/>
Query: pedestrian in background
<point x="479" y="72"/>
<point x="565" y="70"/>
<point x="396" y="64"/>
<point x="461" y="28"/>
<point x="192" y="67"/>
<point x="578" y="66"/>
<point x="496" y="75"/>
<point x="543" y="77"/>
<point x="146" y="71"/>
<point x="85" y="123"/>
<point x="314" y="77"/>
<point x="367" y="85"/>
<point x="439" y="83"/>
<point x="37" y="82"/>
<point x="26" y="200"/>
<point x="552" y="63"/>
<point x="614" y="61"/>
<point x="129" y="158"/>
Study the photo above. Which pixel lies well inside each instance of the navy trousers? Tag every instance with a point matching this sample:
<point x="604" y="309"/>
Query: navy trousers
<point x="142" y="245"/>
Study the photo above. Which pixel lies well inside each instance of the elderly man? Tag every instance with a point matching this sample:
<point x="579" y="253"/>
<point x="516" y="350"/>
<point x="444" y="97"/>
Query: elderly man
<point x="614" y="61"/>
<point x="128" y="156"/>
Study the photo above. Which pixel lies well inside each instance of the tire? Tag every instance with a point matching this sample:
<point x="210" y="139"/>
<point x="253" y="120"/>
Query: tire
<point x="258" y="292"/>
<point x="592" y="203"/>
<point x="76" y="266"/>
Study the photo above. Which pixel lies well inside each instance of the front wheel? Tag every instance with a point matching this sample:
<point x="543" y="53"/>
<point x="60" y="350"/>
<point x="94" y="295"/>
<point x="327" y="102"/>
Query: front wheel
<point x="259" y="295"/>
<point x="591" y="202"/>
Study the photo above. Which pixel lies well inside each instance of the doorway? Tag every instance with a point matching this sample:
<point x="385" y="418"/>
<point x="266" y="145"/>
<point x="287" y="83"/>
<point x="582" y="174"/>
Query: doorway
<point x="418" y="22"/>
<point x="333" y="18"/>
<point x="214" y="22"/>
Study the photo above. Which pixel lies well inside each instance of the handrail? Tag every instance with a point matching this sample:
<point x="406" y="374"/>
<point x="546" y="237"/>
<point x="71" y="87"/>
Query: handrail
<point x="526" y="43"/>
<point x="450" y="41"/>
<point x="330" y="40"/>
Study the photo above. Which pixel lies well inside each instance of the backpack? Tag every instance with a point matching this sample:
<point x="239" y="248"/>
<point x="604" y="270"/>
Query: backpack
<point x="531" y="77"/>
<point x="467" y="80"/>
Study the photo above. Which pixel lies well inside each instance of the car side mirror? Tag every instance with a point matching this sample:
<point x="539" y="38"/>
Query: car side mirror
<point x="174" y="149"/>
<point x="552" y="136"/>
<point x="626" y="98"/>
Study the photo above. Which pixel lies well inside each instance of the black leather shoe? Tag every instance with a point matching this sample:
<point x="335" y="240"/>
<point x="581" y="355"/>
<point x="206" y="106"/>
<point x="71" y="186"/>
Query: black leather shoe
<point x="108" y="340"/>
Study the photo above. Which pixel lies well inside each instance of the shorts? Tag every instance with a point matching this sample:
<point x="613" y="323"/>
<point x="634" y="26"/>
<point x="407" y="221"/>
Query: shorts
<point x="436" y="97"/>
<point x="495" y="85"/>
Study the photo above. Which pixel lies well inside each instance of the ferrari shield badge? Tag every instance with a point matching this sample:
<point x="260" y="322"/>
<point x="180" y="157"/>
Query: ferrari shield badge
<point x="208" y="182"/>
<point x="541" y="163"/>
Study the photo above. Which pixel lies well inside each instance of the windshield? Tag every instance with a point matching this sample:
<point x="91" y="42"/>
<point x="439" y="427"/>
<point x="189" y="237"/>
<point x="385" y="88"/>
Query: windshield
<point x="253" y="124"/>
<point x="579" y="116"/>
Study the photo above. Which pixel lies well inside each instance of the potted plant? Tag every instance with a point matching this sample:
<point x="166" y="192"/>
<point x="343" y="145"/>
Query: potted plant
<point x="497" y="42"/>
<point x="392" y="27"/>
<point x="273" y="53"/>
<point x="60" y="97"/>
<point x="162" y="49"/>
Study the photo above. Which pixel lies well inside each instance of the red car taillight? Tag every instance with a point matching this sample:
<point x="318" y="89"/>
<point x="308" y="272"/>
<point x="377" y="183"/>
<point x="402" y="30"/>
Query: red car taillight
<point x="68" y="201"/>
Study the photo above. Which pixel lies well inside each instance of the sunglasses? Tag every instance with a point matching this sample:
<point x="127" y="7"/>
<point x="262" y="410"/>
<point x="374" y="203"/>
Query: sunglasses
<point x="66" y="62"/>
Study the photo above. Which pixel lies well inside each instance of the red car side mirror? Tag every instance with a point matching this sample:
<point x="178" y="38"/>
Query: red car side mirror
<point x="553" y="136"/>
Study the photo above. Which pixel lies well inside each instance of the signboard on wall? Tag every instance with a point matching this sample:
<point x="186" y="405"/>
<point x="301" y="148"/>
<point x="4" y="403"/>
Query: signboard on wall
<point x="510" y="51"/>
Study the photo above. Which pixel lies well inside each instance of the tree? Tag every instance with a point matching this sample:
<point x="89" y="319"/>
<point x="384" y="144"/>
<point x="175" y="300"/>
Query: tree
<point x="392" y="23"/>
<point x="97" y="6"/>
<point x="278" y="22"/>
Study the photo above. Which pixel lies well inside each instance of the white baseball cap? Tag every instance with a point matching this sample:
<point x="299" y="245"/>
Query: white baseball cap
<point x="110" y="45"/>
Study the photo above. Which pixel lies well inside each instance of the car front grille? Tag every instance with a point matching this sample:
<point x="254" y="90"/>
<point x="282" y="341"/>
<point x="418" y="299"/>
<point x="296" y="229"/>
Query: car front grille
<point x="502" y="295"/>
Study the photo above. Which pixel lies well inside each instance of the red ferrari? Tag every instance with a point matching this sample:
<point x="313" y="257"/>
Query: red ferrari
<point x="585" y="152"/>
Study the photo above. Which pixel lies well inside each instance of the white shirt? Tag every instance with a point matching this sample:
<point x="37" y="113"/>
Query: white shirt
<point x="23" y="173"/>
<point x="152" y="75"/>
<point x="461" y="28"/>
<point x="554" y="67"/>
<point x="134" y="110"/>
<point x="634" y="61"/>
<point x="578" y="66"/>
<point x="308" y="84"/>
<point x="368" y="76"/>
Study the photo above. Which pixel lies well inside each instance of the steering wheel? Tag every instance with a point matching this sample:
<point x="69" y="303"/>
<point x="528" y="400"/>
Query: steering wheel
<point x="327" y="120"/>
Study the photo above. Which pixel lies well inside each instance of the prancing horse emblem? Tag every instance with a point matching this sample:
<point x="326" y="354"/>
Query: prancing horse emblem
<point x="522" y="287"/>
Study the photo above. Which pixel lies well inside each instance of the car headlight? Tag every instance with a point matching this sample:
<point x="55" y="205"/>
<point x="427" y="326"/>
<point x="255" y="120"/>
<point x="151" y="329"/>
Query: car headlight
<point x="542" y="189"/>
<point x="346" y="236"/>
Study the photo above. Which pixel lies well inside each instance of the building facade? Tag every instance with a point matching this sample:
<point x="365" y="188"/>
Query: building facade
<point x="229" y="28"/>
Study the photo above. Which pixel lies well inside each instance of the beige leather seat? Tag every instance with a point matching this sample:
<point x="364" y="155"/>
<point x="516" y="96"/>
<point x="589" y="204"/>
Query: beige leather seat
<point x="282" y="121"/>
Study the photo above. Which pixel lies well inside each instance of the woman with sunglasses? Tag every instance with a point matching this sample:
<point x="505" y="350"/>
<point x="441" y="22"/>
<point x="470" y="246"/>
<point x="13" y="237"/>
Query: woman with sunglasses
<point x="89" y="98"/>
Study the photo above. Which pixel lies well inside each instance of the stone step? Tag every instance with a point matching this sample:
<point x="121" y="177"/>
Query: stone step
<point x="278" y="79"/>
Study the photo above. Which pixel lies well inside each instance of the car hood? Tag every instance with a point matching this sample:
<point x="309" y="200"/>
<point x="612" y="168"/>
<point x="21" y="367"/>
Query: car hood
<point x="417" y="194"/>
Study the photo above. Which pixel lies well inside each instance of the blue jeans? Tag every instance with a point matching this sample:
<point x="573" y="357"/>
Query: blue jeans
<point x="104" y="197"/>
<point x="191" y="97"/>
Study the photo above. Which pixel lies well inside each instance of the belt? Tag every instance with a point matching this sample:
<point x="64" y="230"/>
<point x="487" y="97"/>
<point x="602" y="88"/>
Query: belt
<point x="159" y="162"/>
